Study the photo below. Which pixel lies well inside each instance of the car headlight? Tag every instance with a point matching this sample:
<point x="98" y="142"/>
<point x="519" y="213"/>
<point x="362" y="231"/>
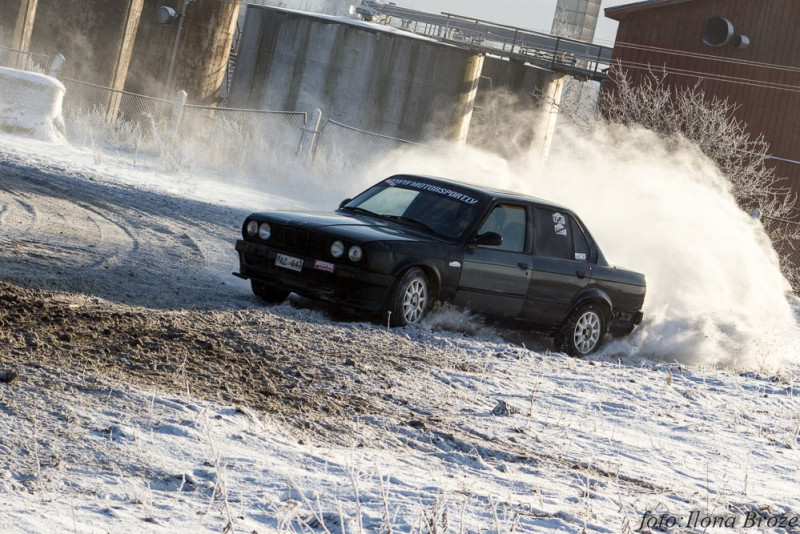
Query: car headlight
<point x="252" y="228"/>
<point x="355" y="254"/>
<point x="337" y="249"/>
<point x="264" y="231"/>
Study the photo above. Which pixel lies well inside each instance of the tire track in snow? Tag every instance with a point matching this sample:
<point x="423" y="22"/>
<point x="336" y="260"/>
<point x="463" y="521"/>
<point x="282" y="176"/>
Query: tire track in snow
<point x="117" y="242"/>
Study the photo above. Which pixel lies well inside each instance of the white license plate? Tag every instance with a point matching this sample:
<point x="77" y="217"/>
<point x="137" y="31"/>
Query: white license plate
<point x="289" y="262"/>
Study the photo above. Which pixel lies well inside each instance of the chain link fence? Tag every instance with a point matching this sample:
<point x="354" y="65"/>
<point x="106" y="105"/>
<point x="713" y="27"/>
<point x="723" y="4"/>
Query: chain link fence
<point x="339" y="146"/>
<point x="98" y="116"/>
<point x="226" y="139"/>
<point x="245" y="137"/>
<point x="184" y="136"/>
<point x="19" y="59"/>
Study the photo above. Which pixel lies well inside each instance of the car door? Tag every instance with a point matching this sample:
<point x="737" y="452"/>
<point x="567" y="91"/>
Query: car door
<point x="494" y="279"/>
<point x="560" y="266"/>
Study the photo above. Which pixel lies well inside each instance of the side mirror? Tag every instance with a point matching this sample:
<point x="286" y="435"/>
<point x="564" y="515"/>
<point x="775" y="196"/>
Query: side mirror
<point x="489" y="239"/>
<point x="344" y="202"/>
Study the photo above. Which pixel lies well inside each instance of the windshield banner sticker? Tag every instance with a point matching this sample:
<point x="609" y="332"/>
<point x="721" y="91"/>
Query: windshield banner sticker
<point x="394" y="182"/>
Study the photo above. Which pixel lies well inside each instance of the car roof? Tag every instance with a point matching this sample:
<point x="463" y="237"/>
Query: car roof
<point x="498" y="194"/>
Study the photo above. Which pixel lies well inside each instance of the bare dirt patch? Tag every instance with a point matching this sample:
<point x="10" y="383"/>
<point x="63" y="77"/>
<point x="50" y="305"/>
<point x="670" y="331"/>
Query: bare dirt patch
<point x="313" y="375"/>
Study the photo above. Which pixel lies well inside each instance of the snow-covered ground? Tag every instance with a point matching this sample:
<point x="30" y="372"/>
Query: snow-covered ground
<point x="480" y="435"/>
<point x="579" y="446"/>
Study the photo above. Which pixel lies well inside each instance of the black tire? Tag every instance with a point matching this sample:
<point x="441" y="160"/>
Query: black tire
<point x="584" y="330"/>
<point x="410" y="298"/>
<point x="269" y="293"/>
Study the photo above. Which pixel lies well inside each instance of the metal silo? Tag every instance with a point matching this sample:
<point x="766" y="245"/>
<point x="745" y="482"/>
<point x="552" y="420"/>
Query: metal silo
<point x="576" y="19"/>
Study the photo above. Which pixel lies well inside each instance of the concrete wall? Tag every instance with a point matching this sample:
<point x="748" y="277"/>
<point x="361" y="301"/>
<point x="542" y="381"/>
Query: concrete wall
<point x="366" y="76"/>
<point x="515" y="76"/>
<point x="96" y="37"/>
<point x="9" y="10"/>
<point x="16" y="28"/>
<point x="202" y="54"/>
<point x="147" y="72"/>
<point x="119" y="44"/>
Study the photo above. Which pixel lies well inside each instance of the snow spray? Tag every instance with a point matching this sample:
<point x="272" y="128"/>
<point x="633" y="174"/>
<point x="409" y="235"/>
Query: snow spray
<point x="715" y="294"/>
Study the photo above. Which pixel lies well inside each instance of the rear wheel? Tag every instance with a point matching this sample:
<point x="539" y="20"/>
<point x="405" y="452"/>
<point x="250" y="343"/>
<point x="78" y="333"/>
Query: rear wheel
<point x="268" y="292"/>
<point x="583" y="333"/>
<point x="410" y="299"/>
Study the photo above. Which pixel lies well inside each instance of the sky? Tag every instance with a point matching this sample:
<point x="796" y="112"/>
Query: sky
<point x="528" y="14"/>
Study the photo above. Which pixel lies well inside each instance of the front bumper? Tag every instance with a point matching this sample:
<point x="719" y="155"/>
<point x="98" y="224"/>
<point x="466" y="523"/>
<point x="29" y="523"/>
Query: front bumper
<point x="347" y="285"/>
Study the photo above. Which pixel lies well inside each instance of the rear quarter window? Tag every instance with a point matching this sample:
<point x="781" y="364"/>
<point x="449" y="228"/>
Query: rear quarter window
<point x="558" y="235"/>
<point x="553" y="232"/>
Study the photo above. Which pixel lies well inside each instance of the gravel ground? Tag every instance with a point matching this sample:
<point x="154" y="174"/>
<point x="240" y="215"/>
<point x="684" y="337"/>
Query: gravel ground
<point x="312" y="373"/>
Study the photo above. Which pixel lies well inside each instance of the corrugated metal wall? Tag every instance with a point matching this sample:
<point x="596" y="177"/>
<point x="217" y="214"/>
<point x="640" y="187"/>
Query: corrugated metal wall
<point x="762" y="79"/>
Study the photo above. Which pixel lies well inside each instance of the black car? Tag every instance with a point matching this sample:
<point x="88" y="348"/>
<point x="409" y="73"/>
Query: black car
<point x="410" y="241"/>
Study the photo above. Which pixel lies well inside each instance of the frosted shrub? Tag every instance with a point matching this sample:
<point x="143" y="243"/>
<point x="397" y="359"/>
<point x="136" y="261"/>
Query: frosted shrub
<point x="710" y="124"/>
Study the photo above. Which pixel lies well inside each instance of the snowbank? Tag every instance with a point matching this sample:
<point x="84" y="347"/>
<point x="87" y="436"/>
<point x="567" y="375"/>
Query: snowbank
<point x="30" y="104"/>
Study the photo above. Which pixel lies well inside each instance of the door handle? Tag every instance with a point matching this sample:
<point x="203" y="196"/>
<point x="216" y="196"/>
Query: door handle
<point x="523" y="266"/>
<point x="580" y="274"/>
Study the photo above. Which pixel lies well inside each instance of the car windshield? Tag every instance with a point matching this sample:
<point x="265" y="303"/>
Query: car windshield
<point x="441" y="209"/>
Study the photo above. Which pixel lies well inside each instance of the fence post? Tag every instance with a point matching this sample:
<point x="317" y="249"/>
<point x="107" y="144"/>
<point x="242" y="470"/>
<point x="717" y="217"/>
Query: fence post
<point x="177" y="113"/>
<point x="55" y="67"/>
<point x="308" y="141"/>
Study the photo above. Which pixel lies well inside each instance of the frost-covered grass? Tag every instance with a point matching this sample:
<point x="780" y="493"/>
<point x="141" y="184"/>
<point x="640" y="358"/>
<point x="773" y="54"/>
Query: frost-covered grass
<point x="520" y="442"/>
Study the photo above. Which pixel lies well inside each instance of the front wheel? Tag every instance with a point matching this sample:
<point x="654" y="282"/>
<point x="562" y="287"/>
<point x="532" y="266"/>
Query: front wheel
<point x="409" y="300"/>
<point x="268" y="292"/>
<point x="583" y="333"/>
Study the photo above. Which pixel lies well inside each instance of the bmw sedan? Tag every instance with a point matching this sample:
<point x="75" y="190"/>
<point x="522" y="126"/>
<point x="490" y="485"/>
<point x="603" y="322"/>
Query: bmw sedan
<point x="410" y="241"/>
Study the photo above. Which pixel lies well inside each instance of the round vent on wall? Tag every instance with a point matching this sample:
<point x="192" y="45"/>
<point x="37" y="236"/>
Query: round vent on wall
<point x="717" y="31"/>
<point x="740" y="41"/>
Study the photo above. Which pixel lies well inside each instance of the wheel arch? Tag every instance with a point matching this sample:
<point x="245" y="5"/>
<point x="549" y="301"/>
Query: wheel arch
<point x="431" y="271"/>
<point x="593" y="296"/>
<point x="565" y="336"/>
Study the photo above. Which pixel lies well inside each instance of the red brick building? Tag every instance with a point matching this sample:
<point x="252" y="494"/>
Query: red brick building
<point x="744" y="50"/>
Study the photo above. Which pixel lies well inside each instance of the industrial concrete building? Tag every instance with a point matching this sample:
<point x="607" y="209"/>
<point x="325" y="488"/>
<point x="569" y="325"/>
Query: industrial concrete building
<point x="374" y="77"/>
<point x="200" y="57"/>
<point x="364" y="75"/>
<point x="120" y="43"/>
<point x="377" y="77"/>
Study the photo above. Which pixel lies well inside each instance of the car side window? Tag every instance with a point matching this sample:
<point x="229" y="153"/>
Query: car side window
<point x="511" y="223"/>
<point x="553" y="234"/>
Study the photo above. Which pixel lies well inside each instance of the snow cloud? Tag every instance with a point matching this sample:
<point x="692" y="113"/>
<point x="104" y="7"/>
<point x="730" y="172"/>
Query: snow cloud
<point x="715" y="293"/>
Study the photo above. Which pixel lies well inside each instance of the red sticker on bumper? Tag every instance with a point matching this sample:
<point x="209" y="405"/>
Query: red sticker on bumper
<point x="324" y="266"/>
